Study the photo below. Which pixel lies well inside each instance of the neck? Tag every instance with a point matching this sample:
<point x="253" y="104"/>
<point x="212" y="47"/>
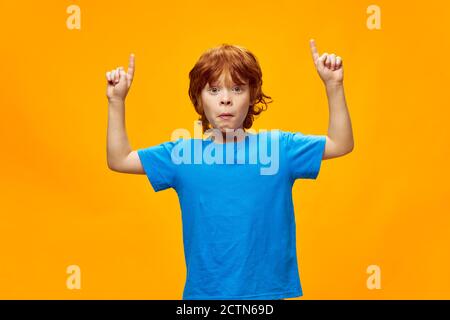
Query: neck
<point x="235" y="135"/>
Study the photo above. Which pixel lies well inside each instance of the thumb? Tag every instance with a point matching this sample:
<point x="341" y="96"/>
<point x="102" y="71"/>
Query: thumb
<point x="123" y="77"/>
<point x="123" y="74"/>
<point x="321" y="60"/>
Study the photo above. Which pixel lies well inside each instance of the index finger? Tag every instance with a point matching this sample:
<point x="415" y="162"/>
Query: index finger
<point x="130" y="70"/>
<point x="315" y="54"/>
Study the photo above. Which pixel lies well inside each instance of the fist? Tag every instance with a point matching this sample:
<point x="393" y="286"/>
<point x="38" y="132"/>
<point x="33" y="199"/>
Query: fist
<point x="119" y="81"/>
<point x="329" y="66"/>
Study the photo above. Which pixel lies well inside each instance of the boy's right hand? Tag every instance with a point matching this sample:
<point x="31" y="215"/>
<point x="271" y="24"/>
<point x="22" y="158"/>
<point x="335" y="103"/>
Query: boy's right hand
<point x="119" y="82"/>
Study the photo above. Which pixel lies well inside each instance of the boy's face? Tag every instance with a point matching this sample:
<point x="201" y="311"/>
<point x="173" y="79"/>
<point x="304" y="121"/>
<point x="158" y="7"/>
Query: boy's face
<point x="226" y="98"/>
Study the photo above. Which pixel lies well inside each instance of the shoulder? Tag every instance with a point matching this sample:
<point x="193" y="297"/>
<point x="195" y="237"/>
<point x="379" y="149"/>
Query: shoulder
<point x="297" y="136"/>
<point x="162" y="149"/>
<point x="293" y="140"/>
<point x="170" y="144"/>
<point x="288" y="137"/>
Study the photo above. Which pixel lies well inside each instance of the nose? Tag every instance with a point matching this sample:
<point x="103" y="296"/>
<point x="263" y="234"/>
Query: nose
<point x="225" y="101"/>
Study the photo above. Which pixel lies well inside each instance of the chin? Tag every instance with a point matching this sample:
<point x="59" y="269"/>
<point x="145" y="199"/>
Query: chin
<point x="229" y="128"/>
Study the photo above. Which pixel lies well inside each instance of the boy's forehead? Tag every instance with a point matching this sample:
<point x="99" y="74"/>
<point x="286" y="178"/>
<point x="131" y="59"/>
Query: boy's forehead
<point x="224" y="79"/>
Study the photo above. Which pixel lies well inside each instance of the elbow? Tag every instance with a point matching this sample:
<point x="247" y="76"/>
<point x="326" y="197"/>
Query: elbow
<point x="335" y="149"/>
<point x="349" y="148"/>
<point x="345" y="149"/>
<point x="112" y="166"/>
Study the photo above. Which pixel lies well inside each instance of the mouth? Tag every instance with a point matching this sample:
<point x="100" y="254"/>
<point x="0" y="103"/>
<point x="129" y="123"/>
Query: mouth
<point x="226" y="116"/>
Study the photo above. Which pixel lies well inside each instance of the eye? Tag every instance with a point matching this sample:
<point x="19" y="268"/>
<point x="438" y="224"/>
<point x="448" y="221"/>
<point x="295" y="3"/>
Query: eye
<point x="212" y="89"/>
<point x="238" y="89"/>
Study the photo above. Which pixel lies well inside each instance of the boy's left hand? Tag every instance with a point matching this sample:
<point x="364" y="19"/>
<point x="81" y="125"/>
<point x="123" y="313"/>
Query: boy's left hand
<point x="329" y="66"/>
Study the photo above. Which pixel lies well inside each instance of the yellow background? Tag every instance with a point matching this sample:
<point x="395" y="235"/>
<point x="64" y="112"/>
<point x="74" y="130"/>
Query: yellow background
<point x="386" y="203"/>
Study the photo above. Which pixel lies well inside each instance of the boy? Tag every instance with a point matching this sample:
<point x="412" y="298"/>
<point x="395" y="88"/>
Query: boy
<point x="238" y="219"/>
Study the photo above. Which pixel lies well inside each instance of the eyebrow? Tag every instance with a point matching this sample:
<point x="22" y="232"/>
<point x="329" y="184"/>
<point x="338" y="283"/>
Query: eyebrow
<point x="234" y="84"/>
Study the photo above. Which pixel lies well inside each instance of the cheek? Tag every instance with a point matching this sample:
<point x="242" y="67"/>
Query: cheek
<point x="205" y="104"/>
<point x="208" y="109"/>
<point x="244" y="106"/>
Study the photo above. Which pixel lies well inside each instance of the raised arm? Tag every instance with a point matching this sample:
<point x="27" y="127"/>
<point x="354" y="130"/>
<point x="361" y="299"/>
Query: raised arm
<point x="339" y="140"/>
<point x="120" y="157"/>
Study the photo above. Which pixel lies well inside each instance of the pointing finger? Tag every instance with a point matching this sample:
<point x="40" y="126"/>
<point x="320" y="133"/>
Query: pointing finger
<point x="130" y="71"/>
<point x="315" y="54"/>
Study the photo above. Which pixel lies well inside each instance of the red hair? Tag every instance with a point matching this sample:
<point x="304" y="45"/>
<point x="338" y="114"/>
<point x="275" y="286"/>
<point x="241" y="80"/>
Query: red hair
<point x="242" y="65"/>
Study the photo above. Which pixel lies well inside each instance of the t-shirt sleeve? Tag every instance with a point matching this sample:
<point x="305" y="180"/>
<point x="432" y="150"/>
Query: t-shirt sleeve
<point x="304" y="154"/>
<point x="158" y="165"/>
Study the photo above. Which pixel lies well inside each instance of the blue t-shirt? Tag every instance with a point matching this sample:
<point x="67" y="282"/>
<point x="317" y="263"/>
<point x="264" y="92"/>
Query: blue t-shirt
<point x="239" y="230"/>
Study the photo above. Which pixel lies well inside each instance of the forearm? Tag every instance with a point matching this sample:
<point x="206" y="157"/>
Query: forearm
<point x="118" y="147"/>
<point x="339" y="127"/>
